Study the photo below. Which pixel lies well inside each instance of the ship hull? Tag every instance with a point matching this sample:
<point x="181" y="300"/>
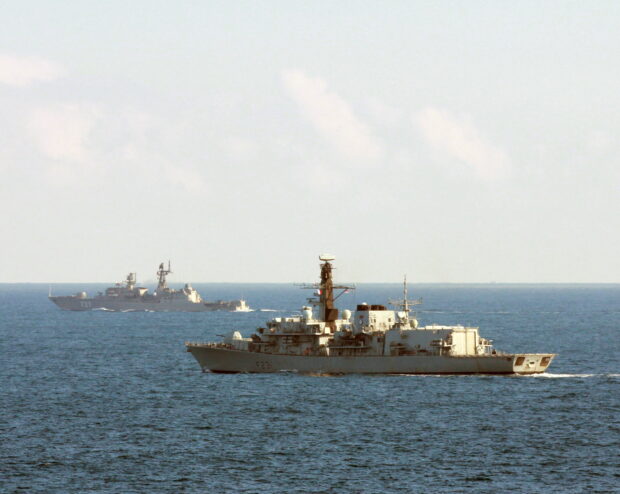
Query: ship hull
<point x="225" y="360"/>
<point x="138" y="305"/>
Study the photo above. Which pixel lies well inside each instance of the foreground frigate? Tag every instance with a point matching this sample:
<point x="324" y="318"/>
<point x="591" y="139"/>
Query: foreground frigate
<point x="126" y="296"/>
<point x="373" y="340"/>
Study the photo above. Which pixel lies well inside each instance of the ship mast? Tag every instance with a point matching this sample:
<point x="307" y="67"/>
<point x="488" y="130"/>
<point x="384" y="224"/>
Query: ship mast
<point x="326" y="300"/>
<point x="161" y="276"/>
<point x="130" y="281"/>
<point x="325" y="289"/>
<point x="405" y="304"/>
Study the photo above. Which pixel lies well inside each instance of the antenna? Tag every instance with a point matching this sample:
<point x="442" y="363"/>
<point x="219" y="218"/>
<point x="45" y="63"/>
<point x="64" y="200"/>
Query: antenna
<point x="405" y="304"/>
<point x="325" y="289"/>
<point x="161" y="275"/>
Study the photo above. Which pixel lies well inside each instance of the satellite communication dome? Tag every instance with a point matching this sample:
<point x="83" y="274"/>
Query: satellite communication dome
<point x="327" y="257"/>
<point x="232" y="336"/>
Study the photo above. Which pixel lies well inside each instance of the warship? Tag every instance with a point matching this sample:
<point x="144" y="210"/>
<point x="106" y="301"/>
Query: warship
<point x="372" y="340"/>
<point x="127" y="296"/>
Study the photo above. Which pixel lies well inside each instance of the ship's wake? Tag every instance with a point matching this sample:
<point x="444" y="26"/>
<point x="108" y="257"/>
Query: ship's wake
<point x="571" y="376"/>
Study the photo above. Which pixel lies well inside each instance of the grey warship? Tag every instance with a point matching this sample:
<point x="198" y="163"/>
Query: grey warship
<point x="372" y="340"/>
<point x="127" y="296"/>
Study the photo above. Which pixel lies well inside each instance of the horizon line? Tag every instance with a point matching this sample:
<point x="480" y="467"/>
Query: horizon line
<point x="353" y="283"/>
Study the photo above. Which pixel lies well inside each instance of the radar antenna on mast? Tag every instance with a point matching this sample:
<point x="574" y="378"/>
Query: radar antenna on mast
<point x="161" y="276"/>
<point x="405" y="304"/>
<point x="325" y="290"/>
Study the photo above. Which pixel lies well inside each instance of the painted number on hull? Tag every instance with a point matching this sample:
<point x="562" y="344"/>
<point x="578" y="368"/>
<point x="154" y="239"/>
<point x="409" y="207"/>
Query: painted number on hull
<point x="86" y="305"/>
<point x="263" y="365"/>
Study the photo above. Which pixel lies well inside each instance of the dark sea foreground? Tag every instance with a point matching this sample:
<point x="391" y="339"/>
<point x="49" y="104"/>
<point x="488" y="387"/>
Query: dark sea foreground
<point x="111" y="402"/>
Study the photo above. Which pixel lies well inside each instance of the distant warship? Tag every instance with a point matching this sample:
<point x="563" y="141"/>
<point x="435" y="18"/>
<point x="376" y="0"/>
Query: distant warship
<point x="126" y="296"/>
<point x="373" y="340"/>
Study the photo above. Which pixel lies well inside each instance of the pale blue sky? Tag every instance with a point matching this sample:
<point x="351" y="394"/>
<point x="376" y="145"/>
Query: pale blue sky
<point x="452" y="141"/>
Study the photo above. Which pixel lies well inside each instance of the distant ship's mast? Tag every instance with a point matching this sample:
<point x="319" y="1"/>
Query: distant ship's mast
<point x="161" y="276"/>
<point x="131" y="280"/>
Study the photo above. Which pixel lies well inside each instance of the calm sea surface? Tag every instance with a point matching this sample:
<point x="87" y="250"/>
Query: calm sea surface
<point x="111" y="402"/>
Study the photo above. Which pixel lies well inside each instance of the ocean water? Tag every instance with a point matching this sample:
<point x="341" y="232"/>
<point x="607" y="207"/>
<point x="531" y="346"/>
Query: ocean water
<point x="111" y="402"/>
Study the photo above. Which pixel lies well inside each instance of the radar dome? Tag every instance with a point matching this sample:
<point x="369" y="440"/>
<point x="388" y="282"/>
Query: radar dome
<point x="232" y="336"/>
<point x="346" y="314"/>
<point x="414" y="322"/>
<point x="307" y="313"/>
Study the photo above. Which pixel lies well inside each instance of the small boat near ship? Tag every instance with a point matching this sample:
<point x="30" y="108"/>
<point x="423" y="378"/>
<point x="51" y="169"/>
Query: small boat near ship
<point x="127" y="296"/>
<point x="372" y="340"/>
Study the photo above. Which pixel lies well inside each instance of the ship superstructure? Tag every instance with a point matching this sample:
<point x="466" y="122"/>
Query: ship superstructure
<point x="127" y="296"/>
<point x="373" y="340"/>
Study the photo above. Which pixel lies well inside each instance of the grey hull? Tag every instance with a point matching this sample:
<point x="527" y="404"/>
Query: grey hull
<point x="229" y="360"/>
<point x="138" y="305"/>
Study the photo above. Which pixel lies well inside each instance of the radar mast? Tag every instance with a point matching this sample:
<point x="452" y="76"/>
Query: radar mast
<point x="130" y="281"/>
<point x="325" y="290"/>
<point x="405" y="304"/>
<point x="161" y="276"/>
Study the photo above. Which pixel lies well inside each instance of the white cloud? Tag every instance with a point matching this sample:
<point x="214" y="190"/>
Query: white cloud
<point x="22" y="71"/>
<point x="239" y="148"/>
<point x="87" y="144"/>
<point x="383" y="114"/>
<point x="188" y="179"/>
<point x="598" y="141"/>
<point x="331" y="116"/>
<point x="62" y="132"/>
<point x="460" y="139"/>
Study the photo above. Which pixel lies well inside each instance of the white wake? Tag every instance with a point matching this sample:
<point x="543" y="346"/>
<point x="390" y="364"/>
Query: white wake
<point x="573" y="376"/>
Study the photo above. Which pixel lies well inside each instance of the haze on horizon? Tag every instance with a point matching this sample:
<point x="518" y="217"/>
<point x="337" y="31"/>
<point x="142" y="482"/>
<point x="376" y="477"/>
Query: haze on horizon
<point x="452" y="141"/>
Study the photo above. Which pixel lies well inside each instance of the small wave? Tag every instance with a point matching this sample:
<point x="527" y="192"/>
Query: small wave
<point x="270" y="310"/>
<point x="425" y="375"/>
<point x="559" y="376"/>
<point x="441" y="311"/>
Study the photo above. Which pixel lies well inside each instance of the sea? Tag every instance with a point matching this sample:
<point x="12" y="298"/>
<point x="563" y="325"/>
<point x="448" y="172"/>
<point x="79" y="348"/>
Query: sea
<point x="111" y="402"/>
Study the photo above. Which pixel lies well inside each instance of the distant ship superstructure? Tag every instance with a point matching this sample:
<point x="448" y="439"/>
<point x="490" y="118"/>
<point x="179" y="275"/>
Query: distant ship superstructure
<point x="126" y="296"/>
<point x="372" y="340"/>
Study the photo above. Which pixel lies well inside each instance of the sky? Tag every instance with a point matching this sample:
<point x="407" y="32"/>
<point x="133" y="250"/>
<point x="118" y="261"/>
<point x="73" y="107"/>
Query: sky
<point x="455" y="142"/>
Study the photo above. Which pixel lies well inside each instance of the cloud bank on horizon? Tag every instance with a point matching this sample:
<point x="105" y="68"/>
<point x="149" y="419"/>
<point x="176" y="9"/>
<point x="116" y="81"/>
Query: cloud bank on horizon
<point x="74" y="135"/>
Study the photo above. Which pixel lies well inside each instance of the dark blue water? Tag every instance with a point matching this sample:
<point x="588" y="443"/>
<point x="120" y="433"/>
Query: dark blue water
<point x="111" y="402"/>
